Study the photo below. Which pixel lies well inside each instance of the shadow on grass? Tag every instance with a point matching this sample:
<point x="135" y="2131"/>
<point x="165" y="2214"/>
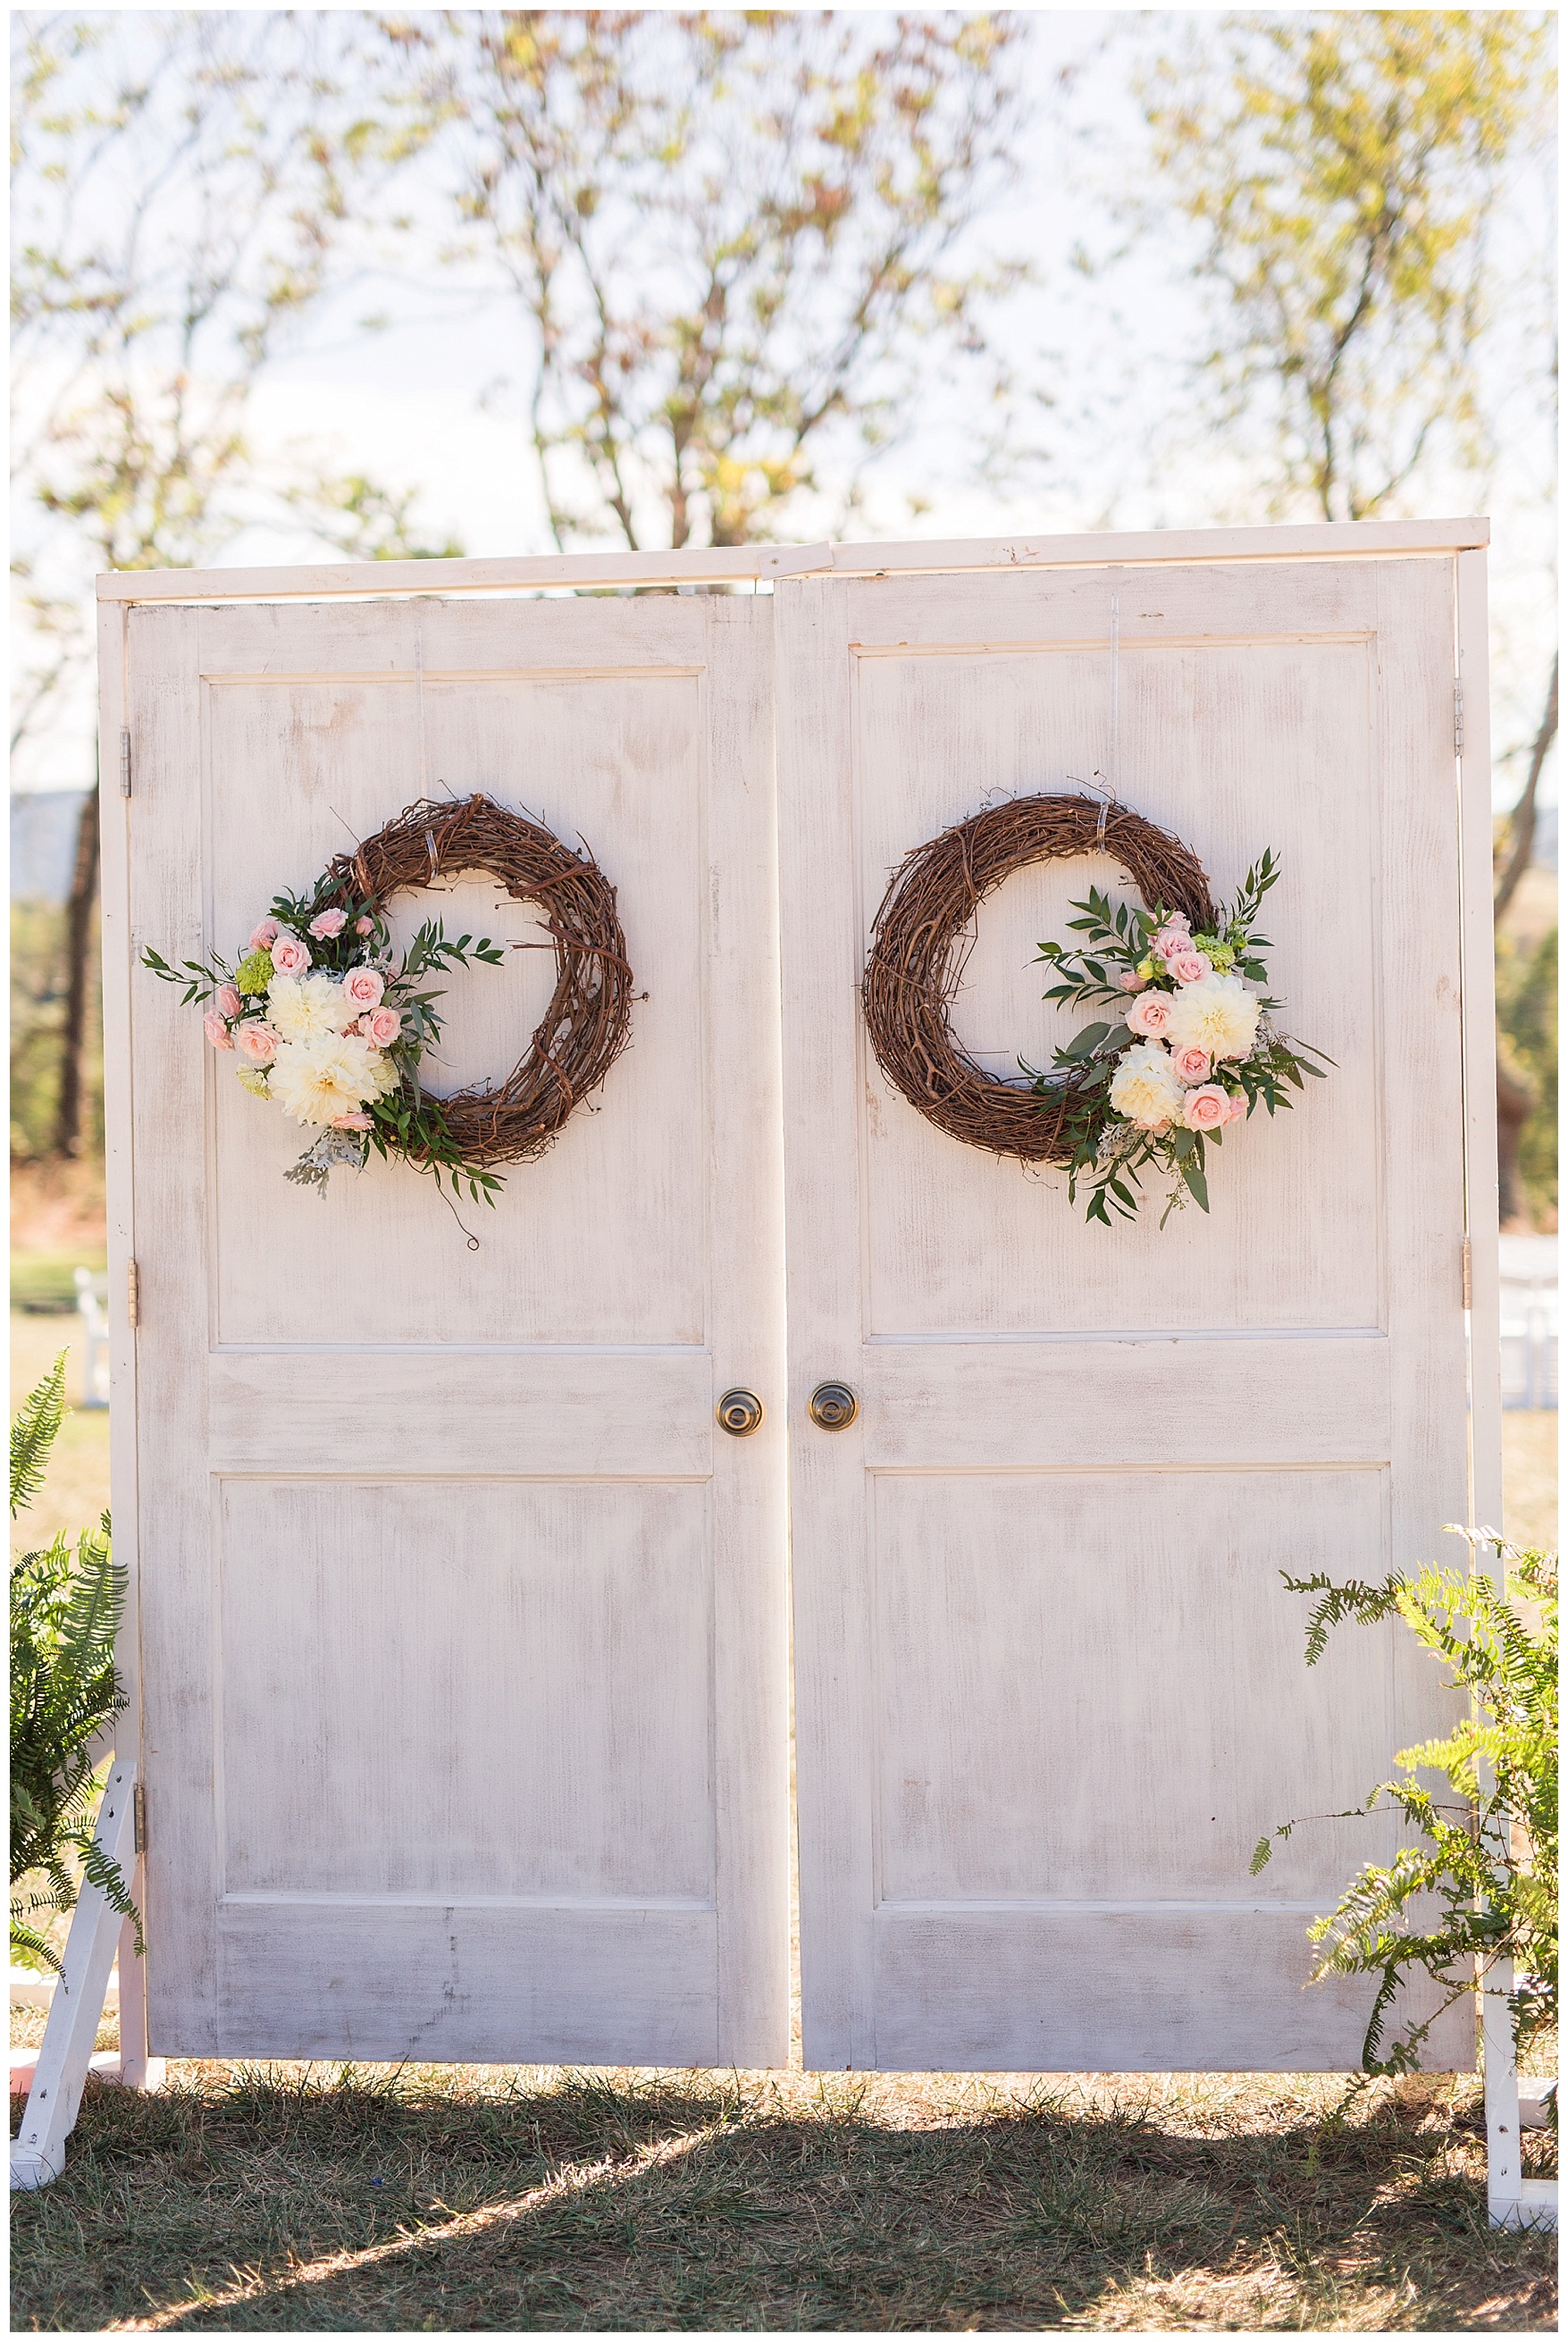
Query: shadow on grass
<point x="338" y="2200"/>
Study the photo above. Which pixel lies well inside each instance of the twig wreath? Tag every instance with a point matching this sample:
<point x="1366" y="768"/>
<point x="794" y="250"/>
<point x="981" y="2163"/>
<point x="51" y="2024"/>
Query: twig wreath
<point x="327" y="1021"/>
<point x="1194" y="1052"/>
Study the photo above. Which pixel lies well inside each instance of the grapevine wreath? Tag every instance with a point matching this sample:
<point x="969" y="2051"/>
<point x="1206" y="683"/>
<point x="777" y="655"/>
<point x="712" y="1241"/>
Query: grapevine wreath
<point x="1193" y="1051"/>
<point x="328" y="1022"/>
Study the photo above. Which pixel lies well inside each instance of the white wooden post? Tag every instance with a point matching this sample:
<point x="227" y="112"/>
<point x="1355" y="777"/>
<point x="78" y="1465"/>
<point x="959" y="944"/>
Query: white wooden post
<point x="1512" y="2200"/>
<point x="38" y="2155"/>
<point x="138" y="2071"/>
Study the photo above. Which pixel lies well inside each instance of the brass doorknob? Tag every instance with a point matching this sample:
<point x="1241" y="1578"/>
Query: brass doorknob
<point x="833" y="1407"/>
<point x="740" y="1413"/>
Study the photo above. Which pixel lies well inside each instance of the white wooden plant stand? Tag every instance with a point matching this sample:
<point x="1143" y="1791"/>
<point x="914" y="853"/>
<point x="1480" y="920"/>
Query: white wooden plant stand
<point x="65" y="2059"/>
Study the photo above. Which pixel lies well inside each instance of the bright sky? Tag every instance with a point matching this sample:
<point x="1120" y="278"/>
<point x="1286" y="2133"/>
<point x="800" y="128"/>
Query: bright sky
<point x="404" y="403"/>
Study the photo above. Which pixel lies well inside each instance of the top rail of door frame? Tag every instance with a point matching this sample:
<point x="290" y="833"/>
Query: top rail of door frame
<point x="762" y="565"/>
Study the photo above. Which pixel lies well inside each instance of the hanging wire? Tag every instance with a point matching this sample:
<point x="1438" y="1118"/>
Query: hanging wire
<point x="1113" y="753"/>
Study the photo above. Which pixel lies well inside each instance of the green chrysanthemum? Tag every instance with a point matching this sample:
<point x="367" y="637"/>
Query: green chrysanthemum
<point x="254" y="972"/>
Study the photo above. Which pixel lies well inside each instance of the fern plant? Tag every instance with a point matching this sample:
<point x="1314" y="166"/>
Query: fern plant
<point x="66" y="1607"/>
<point x="1479" y="1882"/>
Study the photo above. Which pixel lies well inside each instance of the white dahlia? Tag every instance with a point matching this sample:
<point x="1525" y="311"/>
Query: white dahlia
<point x="316" y="1081"/>
<point x="1145" y="1089"/>
<point x="306" y="1008"/>
<point x="1219" y="1016"/>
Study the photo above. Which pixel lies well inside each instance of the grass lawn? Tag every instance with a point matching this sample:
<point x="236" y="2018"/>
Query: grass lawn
<point x="292" y="2199"/>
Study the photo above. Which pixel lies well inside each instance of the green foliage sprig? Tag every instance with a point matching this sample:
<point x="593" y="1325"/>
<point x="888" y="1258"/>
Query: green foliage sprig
<point x="65" y="1608"/>
<point x="1486" y="1856"/>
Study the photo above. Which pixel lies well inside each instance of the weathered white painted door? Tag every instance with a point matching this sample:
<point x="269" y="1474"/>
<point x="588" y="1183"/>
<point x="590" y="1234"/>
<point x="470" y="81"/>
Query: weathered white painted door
<point x="1049" y="1688"/>
<point x="462" y="1626"/>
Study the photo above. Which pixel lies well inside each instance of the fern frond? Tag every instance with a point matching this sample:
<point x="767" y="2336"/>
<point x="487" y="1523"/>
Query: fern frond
<point x="33" y="1428"/>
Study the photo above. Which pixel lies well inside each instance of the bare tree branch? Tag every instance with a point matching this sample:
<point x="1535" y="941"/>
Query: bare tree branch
<point x="736" y="237"/>
<point x="1521" y="829"/>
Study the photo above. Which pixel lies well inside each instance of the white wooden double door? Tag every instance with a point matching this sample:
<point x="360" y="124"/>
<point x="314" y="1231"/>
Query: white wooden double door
<point x="463" y="1627"/>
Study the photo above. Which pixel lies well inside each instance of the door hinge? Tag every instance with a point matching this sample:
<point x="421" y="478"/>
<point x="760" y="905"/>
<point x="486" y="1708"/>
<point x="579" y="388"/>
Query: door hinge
<point x="139" y="1819"/>
<point x="1465" y="1274"/>
<point x="1458" y="717"/>
<point x="133" y="1293"/>
<point x="124" y="762"/>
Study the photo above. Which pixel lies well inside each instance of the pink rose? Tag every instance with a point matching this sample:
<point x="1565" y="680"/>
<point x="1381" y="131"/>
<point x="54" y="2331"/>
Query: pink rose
<point x="218" y="1032"/>
<point x="290" y="957"/>
<point x="229" y="1001"/>
<point x="1238" y="1105"/>
<point x="1131" y="981"/>
<point x="1173" y="936"/>
<point x="256" y="1042"/>
<point x="362" y="986"/>
<point x="1206" y="1109"/>
<point x="1187" y="967"/>
<point x="1191" y="1065"/>
<point x="263" y="939"/>
<point x="1149" y="1014"/>
<point x="363" y="927"/>
<point x="330" y="923"/>
<point x="351" y="1121"/>
<point x="381" y="1027"/>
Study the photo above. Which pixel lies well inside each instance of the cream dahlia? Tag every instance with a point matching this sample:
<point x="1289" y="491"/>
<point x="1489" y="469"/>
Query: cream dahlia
<point x="1145" y="1089"/>
<point x="316" y="1081"/>
<point x="1219" y="1016"/>
<point x="306" y="1007"/>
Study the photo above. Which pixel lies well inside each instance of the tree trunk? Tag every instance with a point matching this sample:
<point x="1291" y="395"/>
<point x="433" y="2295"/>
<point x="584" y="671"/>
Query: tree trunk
<point x="1515" y="1101"/>
<point x="78" y="952"/>
<point x="1521" y="821"/>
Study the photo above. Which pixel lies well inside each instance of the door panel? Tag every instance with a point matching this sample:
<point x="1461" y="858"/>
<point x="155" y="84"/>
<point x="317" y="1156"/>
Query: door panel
<point x="1291" y="1245"/>
<point x="1049" y="1689"/>
<point x="464" y="1718"/>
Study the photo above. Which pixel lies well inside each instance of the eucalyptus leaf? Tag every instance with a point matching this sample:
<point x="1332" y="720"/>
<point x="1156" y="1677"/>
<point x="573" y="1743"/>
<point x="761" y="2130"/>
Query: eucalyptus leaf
<point x="1195" y="1180"/>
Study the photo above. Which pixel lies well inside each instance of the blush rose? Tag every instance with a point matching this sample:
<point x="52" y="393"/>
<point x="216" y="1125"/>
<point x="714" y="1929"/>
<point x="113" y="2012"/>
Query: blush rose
<point x="1206" y="1109"/>
<point x="218" y="1032"/>
<point x="1190" y="967"/>
<point x="264" y="935"/>
<point x="290" y="957"/>
<point x="362" y="986"/>
<point x="329" y="923"/>
<point x="1149" y="1014"/>
<point x="228" y="1003"/>
<point x="255" y="1042"/>
<point x="1191" y="1065"/>
<point x="382" y="1026"/>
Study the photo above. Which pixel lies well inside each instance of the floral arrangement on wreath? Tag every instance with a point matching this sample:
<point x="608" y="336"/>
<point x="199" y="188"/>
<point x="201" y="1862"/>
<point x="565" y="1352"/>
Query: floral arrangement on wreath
<point x="328" y="1023"/>
<point x="1195" y="1051"/>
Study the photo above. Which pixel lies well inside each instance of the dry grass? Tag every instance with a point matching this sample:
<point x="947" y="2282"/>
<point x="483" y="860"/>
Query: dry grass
<point x="1529" y="1477"/>
<point x="292" y="2200"/>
